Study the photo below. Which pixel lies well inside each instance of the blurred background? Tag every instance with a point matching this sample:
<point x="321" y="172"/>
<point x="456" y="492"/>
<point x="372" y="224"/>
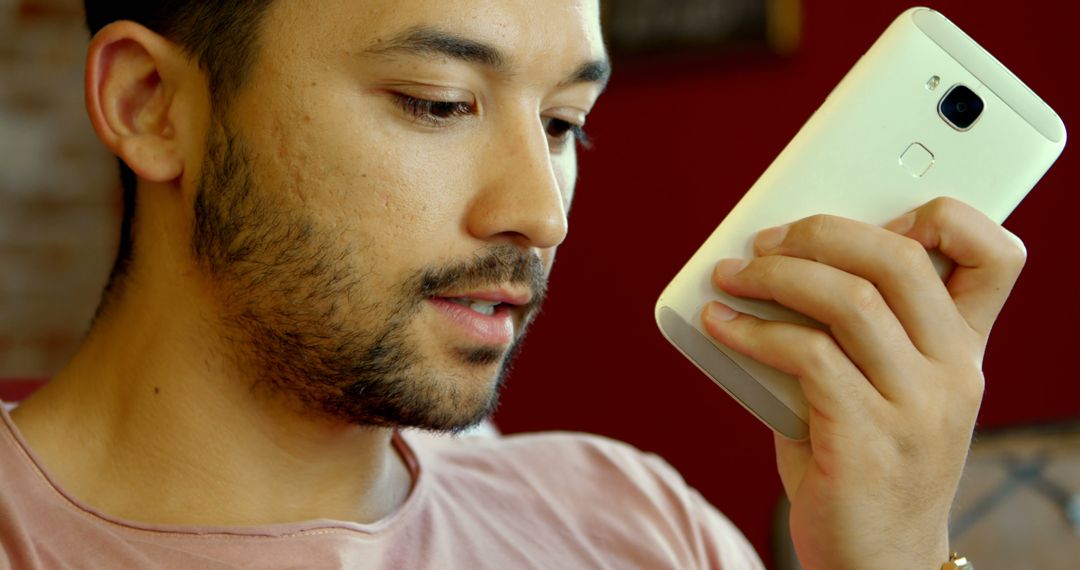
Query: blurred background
<point x="704" y="95"/>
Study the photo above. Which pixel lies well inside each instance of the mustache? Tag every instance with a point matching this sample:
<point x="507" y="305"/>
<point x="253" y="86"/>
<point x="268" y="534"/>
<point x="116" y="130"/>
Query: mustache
<point x="503" y="264"/>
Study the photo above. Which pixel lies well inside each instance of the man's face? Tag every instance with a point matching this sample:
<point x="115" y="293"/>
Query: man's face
<point x="380" y="205"/>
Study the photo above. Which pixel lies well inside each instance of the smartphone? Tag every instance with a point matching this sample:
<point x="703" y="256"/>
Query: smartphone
<point x="924" y="113"/>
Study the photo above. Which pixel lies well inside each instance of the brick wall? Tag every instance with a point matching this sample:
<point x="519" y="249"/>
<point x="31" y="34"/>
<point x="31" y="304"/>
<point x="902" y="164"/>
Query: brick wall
<point x="58" y="189"/>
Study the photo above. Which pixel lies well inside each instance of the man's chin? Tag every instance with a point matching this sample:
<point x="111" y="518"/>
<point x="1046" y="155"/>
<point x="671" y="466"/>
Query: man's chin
<point x="449" y="389"/>
<point x="445" y="403"/>
<point x="453" y="420"/>
<point x="467" y="405"/>
<point x="481" y="357"/>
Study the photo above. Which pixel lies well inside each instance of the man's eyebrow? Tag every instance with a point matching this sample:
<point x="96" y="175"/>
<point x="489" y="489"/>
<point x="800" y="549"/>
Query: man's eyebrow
<point x="435" y="42"/>
<point x="430" y="41"/>
<point x="598" y="72"/>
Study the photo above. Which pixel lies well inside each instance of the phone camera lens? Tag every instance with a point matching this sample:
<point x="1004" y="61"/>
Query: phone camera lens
<point x="960" y="107"/>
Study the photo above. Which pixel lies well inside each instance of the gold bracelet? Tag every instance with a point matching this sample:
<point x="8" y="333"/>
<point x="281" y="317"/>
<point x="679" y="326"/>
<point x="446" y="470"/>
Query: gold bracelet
<point x="957" y="562"/>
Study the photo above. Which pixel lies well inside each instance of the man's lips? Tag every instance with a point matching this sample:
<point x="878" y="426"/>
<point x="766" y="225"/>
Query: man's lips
<point x="513" y="297"/>
<point x="485" y="317"/>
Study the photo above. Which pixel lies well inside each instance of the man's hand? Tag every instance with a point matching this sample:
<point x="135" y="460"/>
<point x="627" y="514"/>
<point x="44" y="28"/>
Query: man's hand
<point x="894" y="386"/>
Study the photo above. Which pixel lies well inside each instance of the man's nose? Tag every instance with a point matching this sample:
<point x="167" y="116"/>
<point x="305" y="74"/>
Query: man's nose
<point x="521" y="199"/>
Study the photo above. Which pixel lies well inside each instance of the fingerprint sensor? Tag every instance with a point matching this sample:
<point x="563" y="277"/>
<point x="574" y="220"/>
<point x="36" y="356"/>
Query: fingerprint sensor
<point x="917" y="160"/>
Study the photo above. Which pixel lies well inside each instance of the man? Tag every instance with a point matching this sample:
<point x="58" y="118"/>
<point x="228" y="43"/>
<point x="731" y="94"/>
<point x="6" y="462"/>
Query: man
<point x="340" y="220"/>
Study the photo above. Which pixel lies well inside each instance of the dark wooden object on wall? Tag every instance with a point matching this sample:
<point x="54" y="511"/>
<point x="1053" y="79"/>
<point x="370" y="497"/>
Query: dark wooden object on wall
<point x="665" y="26"/>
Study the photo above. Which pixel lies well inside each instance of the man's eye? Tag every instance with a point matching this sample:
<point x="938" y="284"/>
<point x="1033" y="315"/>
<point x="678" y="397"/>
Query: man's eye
<point x="561" y="131"/>
<point x="434" y="113"/>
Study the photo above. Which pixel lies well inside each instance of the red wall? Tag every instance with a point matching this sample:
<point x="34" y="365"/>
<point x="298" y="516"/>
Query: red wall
<point x="677" y="143"/>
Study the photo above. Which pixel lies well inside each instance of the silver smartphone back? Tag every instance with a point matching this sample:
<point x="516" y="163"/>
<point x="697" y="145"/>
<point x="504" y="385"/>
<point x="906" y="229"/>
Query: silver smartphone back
<point x="881" y="144"/>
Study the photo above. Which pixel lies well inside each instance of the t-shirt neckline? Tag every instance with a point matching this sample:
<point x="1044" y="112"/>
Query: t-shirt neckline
<point x="417" y="489"/>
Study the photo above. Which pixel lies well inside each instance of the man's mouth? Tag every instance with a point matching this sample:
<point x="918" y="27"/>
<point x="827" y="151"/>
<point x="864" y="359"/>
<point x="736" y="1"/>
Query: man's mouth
<point x="488" y="316"/>
<point x="489" y="301"/>
<point x="487" y="308"/>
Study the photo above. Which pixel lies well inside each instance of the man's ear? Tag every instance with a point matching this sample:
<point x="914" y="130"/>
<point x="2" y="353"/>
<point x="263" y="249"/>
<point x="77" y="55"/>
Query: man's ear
<point x="131" y="76"/>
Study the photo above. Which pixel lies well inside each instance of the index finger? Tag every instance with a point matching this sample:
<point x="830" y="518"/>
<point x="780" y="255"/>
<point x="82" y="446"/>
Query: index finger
<point x="989" y="258"/>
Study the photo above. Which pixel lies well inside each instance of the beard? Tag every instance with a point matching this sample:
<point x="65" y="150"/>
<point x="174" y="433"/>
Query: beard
<point x="291" y="301"/>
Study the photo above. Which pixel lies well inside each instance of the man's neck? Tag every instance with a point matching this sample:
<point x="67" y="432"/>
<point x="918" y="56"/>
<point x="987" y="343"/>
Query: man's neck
<point x="152" y="422"/>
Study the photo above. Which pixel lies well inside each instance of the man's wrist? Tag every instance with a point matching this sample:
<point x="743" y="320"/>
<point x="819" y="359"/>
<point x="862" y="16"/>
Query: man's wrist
<point x="957" y="562"/>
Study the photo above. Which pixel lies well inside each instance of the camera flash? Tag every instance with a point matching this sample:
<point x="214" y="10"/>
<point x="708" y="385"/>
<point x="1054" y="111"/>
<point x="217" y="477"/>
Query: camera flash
<point x="933" y="83"/>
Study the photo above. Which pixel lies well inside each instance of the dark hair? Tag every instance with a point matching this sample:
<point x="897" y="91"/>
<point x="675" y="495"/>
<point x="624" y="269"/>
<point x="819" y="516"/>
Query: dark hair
<point x="221" y="35"/>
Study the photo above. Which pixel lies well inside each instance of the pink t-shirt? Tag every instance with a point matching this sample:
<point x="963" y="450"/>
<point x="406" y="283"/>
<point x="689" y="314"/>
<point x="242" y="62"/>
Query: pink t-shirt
<point x="552" y="501"/>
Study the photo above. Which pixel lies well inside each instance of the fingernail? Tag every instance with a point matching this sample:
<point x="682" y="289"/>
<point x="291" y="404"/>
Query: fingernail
<point x="903" y="224"/>
<point x="719" y="313"/>
<point x="729" y="267"/>
<point x="770" y="239"/>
